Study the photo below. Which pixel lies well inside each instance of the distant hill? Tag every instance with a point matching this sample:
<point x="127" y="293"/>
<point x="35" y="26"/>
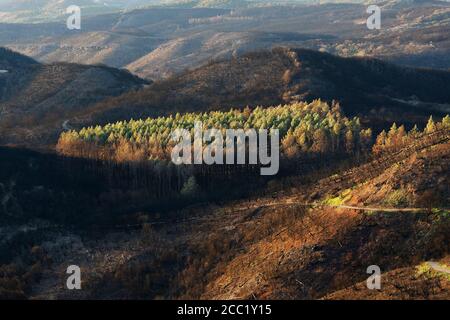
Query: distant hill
<point x="159" y="41"/>
<point x="34" y="94"/>
<point x="37" y="11"/>
<point x="115" y="39"/>
<point x="25" y="11"/>
<point x="183" y="52"/>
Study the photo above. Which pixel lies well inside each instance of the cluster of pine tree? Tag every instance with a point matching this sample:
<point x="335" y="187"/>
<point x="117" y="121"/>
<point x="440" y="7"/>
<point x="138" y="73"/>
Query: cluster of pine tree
<point x="315" y="127"/>
<point x="398" y="137"/>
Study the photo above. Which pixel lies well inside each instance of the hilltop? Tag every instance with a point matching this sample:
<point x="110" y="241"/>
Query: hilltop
<point x="10" y="59"/>
<point x="34" y="95"/>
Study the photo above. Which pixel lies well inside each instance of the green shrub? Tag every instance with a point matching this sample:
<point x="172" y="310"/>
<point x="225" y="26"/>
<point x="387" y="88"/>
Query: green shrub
<point x="398" y="198"/>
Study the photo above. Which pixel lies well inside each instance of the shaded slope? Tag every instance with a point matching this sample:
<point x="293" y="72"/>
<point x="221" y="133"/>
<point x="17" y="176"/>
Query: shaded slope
<point x="34" y="95"/>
